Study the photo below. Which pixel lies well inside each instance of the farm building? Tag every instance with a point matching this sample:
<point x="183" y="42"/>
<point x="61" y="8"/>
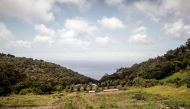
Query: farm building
<point x="91" y="91"/>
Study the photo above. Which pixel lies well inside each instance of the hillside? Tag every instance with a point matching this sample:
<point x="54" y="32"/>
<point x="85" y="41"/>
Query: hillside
<point x="152" y="71"/>
<point x="20" y="75"/>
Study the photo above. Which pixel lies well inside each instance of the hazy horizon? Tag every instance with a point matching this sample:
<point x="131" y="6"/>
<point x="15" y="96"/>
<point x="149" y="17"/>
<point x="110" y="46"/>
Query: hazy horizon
<point x="94" y="69"/>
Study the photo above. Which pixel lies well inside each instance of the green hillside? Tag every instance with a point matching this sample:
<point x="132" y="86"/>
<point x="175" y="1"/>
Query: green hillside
<point x="22" y="75"/>
<point x="175" y="62"/>
<point x="181" y="76"/>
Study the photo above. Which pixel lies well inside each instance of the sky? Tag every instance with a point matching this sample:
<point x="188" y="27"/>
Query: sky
<point x="93" y="37"/>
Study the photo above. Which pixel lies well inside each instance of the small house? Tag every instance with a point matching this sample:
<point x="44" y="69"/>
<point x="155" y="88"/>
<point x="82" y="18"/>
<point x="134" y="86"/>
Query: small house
<point x="91" y="91"/>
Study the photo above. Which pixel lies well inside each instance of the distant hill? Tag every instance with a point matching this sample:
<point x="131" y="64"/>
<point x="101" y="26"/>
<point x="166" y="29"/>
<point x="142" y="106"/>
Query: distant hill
<point x="152" y="71"/>
<point x="20" y="74"/>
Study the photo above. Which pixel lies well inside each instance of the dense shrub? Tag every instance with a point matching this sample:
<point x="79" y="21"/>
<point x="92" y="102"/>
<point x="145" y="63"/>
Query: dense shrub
<point x="26" y="91"/>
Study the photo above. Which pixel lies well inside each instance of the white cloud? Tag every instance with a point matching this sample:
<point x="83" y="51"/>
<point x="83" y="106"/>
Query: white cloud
<point x="152" y="9"/>
<point x="82" y="4"/>
<point x="180" y="8"/>
<point x="44" y="30"/>
<point x="34" y="10"/>
<point x="20" y="43"/>
<point x="140" y="36"/>
<point x="177" y="29"/>
<point x="102" y="40"/>
<point x="4" y="32"/>
<point x="141" y="29"/>
<point x="76" y="32"/>
<point x="28" y="10"/>
<point x="45" y="35"/>
<point x="155" y="10"/>
<point x="111" y="23"/>
<point x="43" y="39"/>
<point x="79" y="25"/>
<point x="113" y="2"/>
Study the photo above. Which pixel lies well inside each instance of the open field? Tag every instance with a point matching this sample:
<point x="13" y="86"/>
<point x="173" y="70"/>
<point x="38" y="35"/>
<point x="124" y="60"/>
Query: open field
<point x="157" y="97"/>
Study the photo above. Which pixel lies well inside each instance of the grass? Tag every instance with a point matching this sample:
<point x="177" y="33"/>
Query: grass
<point x="179" y="96"/>
<point x="157" y="97"/>
<point x="182" y="75"/>
<point x="116" y="100"/>
<point x="27" y="100"/>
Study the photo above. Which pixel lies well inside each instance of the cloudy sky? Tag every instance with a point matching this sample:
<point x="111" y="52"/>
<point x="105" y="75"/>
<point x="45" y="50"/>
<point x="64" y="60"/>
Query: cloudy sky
<point x="93" y="37"/>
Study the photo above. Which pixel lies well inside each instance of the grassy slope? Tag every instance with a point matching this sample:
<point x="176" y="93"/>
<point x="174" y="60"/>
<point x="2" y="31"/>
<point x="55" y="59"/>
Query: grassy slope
<point x="157" y="97"/>
<point x="182" y="75"/>
<point x="174" y="96"/>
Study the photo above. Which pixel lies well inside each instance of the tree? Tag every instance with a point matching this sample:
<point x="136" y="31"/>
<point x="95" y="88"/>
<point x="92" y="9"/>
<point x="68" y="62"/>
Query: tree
<point x="188" y="43"/>
<point x="9" y="76"/>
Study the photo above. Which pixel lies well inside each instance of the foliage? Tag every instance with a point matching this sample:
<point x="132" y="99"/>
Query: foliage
<point x="153" y="69"/>
<point x="20" y="73"/>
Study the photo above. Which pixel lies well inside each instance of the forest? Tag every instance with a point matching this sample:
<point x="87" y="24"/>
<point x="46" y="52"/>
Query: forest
<point x="21" y="75"/>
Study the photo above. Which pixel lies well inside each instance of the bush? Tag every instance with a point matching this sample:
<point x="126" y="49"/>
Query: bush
<point x="141" y="82"/>
<point x="138" y="96"/>
<point x="43" y="88"/>
<point x="188" y="84"/>
<point x="26" y="91"/>
<point x="58" y="88"/>
<point x="37" y="91"/>
<point x="21" y="85"/>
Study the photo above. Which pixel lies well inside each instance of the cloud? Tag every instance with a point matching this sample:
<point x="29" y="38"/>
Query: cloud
<point x="8" y="38"/>
<point x="80" y="26"/>
<point x="155" y="10"/>
<point x="102" y="40"/>
<point x="180" y="8"/>
<point x="76" y="32"/>
<point x="42" y="29"/>
<point x="28" y="10"/>
<point x="113" y="2"/>
<point x="45" y="35"/>
<point x="20" y="43"/>
<point x="141" y="29"/>
<point x="81" y="4"/>
<point x="140" y="36"/>
<point x="34" y="10"/>
<point x="5" y="34"/>
<point x="152" y="9"/>
<point x="177" y="29"/>
<point x="111" y="23"/>
<point x="43" y="39"/>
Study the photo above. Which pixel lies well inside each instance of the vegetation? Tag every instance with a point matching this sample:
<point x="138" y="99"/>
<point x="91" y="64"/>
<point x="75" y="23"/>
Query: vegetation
<point x="134" y="98"/>
<point x="22" y="75"/>
<point x="26" y="100"/>
<point x="149" y="73"/>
